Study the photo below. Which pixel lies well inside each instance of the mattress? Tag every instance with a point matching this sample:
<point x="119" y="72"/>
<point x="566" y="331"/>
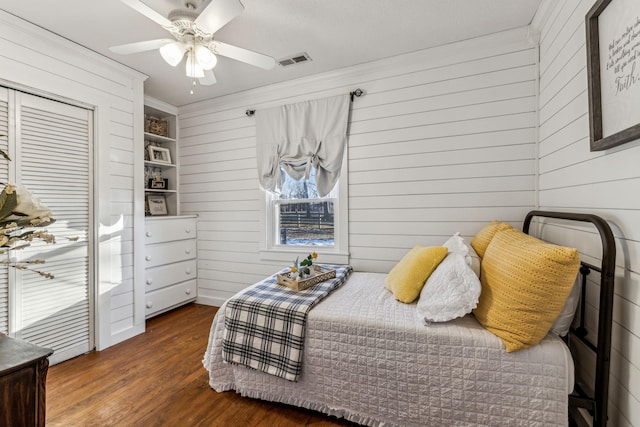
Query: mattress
<point x="371" y="360"/>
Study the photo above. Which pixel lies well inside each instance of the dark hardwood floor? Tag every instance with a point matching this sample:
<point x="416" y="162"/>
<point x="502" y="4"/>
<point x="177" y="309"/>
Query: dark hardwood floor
<point x="157" y="379"/>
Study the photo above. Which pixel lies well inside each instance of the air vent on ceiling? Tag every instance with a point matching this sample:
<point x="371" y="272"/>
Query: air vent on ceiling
<point x="294" y="59"/>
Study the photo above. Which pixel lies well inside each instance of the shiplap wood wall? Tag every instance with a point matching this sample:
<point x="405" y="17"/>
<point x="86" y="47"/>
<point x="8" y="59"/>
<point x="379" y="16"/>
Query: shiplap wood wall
<point x="605" y="183"/>
<point x="39" y="62"/>
<point x="444" y="140"/>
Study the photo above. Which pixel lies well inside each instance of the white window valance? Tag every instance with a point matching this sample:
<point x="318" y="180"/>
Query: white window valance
<point x="297" y="137"/>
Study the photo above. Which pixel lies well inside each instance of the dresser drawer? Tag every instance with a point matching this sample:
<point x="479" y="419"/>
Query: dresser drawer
<point x="165" y="275"/>
<point x="169" y="229"/>
<point x="172" y="296"/>
<point x="167" y="253"/>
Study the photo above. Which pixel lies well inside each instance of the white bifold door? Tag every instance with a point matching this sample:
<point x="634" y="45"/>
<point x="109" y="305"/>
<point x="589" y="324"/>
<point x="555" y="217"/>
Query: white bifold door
<point x="50" y="145"/>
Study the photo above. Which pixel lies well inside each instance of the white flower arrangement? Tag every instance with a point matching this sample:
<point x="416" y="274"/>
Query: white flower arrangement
<point x="22" y="217"/>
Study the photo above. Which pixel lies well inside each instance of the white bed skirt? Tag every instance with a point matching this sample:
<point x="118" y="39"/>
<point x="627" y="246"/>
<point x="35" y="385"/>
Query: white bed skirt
<point x="369" y="359"/>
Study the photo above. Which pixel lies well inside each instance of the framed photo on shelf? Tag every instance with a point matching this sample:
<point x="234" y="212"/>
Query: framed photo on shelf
<point x="156" y="204"/>
<point x="159" y="154"/>
<point x="158" y="184"/>
<point x="613" y="72"/>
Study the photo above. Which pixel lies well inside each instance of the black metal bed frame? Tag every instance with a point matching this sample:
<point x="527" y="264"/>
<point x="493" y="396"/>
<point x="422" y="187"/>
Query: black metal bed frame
<point x="596" y="404"/>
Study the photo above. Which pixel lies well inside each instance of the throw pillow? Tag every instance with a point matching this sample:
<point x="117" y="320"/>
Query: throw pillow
<point x="451" y="291"/>
<point x="456" y="244"/>
<point x="484" y="236"/>
<point x="563" y="323"/>
<point x="525" y="283"/>
<point x="407" y="277"/>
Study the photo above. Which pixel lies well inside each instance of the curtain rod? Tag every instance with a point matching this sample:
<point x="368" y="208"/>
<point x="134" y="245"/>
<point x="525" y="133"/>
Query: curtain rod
<point x="356" y="93"/>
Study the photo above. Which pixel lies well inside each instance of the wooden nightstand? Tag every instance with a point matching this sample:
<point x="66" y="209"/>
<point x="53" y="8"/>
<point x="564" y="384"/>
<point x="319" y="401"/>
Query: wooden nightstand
<point x="23" y="375"/>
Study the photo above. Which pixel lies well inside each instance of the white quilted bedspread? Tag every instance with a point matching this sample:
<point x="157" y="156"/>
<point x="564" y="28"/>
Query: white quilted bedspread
<point x="370" y="359"/>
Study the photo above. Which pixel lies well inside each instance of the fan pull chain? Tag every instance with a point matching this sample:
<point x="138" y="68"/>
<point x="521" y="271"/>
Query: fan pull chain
<point x="192" y="57"/>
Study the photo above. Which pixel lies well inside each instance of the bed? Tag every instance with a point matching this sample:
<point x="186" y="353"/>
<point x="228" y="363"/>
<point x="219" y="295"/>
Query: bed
<point x="372" y="360"/>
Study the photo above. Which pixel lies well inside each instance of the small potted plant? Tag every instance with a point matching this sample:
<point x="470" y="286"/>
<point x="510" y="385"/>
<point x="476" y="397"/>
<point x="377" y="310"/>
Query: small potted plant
<point x="305" y="268"/>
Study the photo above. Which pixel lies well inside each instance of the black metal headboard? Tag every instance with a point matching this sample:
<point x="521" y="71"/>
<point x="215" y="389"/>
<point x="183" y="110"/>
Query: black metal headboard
<point x="596" y="404"/>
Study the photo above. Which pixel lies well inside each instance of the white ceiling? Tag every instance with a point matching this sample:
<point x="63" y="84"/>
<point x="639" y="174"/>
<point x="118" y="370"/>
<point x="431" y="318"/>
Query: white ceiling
<point x="335" y="34"/>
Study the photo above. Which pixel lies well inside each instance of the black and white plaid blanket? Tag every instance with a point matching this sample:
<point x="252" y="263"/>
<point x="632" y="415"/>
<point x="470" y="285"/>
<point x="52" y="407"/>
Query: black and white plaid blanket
<point x="265" y="324"/>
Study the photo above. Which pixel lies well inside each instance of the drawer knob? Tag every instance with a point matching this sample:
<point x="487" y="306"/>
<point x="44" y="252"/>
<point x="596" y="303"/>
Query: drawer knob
<point x="187" y="251"/>
<point x="187" y="230"/>
<point x="149" y="304"/>
<point x="188" y="271"/>
<point x="148" y="257"/>
<point x="188" y="291"/>
<point x="148" y="234"/>
<point x="149" y="281"/>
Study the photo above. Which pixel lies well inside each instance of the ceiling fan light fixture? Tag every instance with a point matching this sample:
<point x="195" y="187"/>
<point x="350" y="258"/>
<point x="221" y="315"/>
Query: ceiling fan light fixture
<point x="205" y="57"/>
<point x="193" y="68"/>
<point x="193" y="32"/>
<point x="172" y="53"/>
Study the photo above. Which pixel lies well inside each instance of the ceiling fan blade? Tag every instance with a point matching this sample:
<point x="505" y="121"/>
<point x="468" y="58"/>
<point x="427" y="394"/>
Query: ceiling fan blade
<point x="142" y="8"/>
<point x="208" y="79"/>
<point x="243" y="55"/>
<point x="217" y="14"/>
<point x="126" y="49"/>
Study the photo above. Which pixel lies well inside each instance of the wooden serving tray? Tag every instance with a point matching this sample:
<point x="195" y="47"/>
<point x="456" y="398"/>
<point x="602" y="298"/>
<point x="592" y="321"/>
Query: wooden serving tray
<point x="322" y="274"/>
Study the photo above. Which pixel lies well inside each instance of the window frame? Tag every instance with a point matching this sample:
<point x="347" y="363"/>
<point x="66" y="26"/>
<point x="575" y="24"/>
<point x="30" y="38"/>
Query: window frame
<point x="271" y="250"/>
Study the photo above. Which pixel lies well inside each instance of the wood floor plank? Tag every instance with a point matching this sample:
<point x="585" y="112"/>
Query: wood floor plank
<point x="157" y="379"/>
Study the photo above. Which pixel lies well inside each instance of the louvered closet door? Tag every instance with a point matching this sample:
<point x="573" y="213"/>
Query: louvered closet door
<point x="4" y="177"/>
<point x="53" y="158"/>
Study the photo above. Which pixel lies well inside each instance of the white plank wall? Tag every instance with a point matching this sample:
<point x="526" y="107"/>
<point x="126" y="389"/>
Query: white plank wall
<point x="36" y="61"/>
<point x="605" y="183"/>
<point x="443" y="141"/>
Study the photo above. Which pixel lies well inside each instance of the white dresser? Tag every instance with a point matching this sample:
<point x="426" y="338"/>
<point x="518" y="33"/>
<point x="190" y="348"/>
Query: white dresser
<point x="170" y="262"/>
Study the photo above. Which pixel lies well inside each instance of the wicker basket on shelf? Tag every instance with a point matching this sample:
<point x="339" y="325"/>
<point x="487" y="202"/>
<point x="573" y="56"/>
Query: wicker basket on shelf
<point x="156" y="126"/>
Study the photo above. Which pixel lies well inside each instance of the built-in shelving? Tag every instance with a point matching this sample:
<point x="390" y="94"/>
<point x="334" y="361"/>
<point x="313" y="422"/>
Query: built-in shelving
<point x="163" y="174"/>
<point x="170" y="256"/>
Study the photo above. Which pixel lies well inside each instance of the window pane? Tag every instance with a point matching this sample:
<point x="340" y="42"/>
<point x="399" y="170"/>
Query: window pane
<point x="306" y="223"/>
<point x="303" y="218"/>
<point x="303" y="189"/>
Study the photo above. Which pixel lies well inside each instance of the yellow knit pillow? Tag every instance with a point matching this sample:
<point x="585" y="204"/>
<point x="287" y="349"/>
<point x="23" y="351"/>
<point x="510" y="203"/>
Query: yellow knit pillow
<point x="408" y="276"/>
<point x="483" y="238"/>
<point x="525" y="283"/>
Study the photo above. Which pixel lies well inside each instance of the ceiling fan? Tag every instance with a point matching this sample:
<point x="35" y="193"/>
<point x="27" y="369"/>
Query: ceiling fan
<point x="193" y="36"/>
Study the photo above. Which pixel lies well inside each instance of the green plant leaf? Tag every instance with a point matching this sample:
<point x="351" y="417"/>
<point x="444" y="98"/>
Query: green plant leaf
<point x="8" y="203"/>
<point x="24" y="235"/>
<point x="5" y="155"/>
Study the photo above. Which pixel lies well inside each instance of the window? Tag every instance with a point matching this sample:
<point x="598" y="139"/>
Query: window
<point x="294" y="137"/>
<point x="301" y="217"/>
<point x="297" y="220"/>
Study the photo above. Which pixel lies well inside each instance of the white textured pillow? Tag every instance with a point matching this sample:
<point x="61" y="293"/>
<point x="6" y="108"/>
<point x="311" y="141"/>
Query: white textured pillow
<point x="457" y="245"/>
<point x="563" y="323"/>
<point x="451" y="291"/>
<point x="473" y="259"/>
